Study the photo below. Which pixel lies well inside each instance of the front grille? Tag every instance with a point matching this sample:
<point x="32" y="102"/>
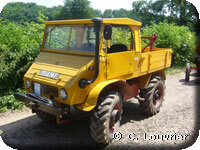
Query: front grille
<point x="46" y="89"/>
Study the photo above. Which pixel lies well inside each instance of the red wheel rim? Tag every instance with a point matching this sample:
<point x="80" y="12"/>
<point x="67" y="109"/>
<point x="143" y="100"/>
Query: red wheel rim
<point x="157" y="97"/>
<point x="115" y="116"/>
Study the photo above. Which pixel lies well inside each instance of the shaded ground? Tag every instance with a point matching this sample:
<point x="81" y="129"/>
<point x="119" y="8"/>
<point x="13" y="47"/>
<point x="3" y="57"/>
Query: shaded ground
<point x="22" y="129"/>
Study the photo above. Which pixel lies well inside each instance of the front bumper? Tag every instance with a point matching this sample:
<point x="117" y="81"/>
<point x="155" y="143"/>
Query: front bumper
<point x="38" y="102"/>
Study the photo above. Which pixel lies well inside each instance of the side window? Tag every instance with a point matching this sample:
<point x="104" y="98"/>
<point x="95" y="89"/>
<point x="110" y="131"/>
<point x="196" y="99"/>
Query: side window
<point x="122" y="39"/>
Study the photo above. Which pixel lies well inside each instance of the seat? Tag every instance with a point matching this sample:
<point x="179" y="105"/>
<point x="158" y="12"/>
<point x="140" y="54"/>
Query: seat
<point x="117" y="48"/>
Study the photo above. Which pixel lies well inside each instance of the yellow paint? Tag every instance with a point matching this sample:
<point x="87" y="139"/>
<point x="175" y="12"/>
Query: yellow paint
<point x="74" y="65"/>
<point x="119" y="64"/>
<point x="69" y="52"/>
<point x="91" y="101"/>
<point x="120" y="21"/>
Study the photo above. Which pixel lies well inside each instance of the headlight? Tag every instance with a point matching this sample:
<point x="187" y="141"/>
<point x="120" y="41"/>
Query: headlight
<point x="28" y="84"/>
<point x="63" y="94"/>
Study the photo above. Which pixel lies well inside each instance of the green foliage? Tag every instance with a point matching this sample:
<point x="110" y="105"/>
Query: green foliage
<point x="108" y="13"/>
<point x="8" y="101"/>
<point x="121" y="13"/>
<point x="179" y="38"/>
<point x="121" y="35"/>
<point x="97" y="13"/>
<point x="182" y="10"/>
<point x="27" y="12"/>
<point x="76" y="9"/>
<point x="19" y="46"/>
<point x="179" y="12"/>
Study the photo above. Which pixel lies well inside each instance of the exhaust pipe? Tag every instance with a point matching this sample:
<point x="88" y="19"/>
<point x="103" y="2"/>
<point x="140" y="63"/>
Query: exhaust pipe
<point x="97" y="28"/>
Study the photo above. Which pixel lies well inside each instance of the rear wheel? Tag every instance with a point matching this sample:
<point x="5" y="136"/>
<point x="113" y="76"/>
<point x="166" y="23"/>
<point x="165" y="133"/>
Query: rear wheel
<point x="187" y="72"/>
<point x="106" y="117"/>
<point x="45" y="116"/>
<point x="153" y="95"/>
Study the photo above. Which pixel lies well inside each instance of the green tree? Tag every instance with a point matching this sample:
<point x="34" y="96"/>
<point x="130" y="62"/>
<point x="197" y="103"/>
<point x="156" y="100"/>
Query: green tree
<point x="19" y="12"/>
<point x="180" y="12"/>
<point x="142" y="11"/>
<point x="97" y="13"/>
<point x="52" y="12"/>
<point x="27" y="12"/>
<point x="121" y="13"/>
<point x="76" y="9"/>
<point x="108" y="13"/>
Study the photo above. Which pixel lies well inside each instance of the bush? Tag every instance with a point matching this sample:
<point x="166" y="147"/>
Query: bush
<point x="19" y="45"/>
<point x="178" y="38"/>
<point x="9" y="102"/>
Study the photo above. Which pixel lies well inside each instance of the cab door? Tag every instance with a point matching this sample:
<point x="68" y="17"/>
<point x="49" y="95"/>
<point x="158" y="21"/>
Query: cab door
<point x="119" y="64"/>
<point x="120" y="53"/>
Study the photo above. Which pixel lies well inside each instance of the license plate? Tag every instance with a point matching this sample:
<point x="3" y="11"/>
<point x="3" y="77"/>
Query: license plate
<point x="49" y="74"/>
<point x="37" y="88"/>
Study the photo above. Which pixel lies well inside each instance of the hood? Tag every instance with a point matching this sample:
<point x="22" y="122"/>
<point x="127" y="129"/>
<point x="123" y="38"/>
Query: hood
<point x="60" y="66"/>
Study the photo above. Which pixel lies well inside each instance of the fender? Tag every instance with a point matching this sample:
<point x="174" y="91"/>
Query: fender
<point x="161" y="73"/>
<point x="91" y="100"/>
<point x="144" y="80"/>
<point x="120" y="85"/>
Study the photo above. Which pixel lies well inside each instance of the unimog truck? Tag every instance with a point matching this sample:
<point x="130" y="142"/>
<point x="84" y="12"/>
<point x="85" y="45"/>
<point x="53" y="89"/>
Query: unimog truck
<point x="94" y="65"/>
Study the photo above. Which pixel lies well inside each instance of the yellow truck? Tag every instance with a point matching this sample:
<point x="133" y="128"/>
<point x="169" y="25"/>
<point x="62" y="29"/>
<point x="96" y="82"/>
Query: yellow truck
<point x="94" y="65"/>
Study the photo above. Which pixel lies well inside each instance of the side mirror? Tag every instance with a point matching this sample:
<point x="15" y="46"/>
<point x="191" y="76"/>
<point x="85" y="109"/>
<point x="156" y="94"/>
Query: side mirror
<point x="107" y="32"/>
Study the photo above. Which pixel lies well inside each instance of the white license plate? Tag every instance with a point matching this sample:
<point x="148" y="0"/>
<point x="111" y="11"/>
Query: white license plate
<point x="37" y="88"/>
<point x="49" y="74"/>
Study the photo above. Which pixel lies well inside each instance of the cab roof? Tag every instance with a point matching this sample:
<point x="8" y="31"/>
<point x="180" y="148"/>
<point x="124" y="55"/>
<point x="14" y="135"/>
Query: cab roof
<point x="115" y="21"/>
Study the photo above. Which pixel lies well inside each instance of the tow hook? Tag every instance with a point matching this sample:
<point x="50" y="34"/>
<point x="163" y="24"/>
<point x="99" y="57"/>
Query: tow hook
<point x="33" y="105"/>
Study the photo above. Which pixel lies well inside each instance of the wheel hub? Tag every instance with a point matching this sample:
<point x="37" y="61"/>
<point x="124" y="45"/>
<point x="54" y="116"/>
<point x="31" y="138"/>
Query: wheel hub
<point x="157" y="96"/>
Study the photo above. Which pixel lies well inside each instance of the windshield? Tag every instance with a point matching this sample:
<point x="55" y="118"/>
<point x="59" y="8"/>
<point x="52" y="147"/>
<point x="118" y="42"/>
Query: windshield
<point x="71" y="38"/>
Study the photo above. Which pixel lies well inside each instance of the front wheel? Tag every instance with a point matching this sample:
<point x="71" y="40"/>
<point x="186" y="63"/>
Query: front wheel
<point x="106" y="117"/>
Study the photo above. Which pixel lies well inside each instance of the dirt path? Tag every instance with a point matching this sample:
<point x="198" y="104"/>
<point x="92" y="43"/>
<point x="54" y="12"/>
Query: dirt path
<point x="174" y="126"/>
